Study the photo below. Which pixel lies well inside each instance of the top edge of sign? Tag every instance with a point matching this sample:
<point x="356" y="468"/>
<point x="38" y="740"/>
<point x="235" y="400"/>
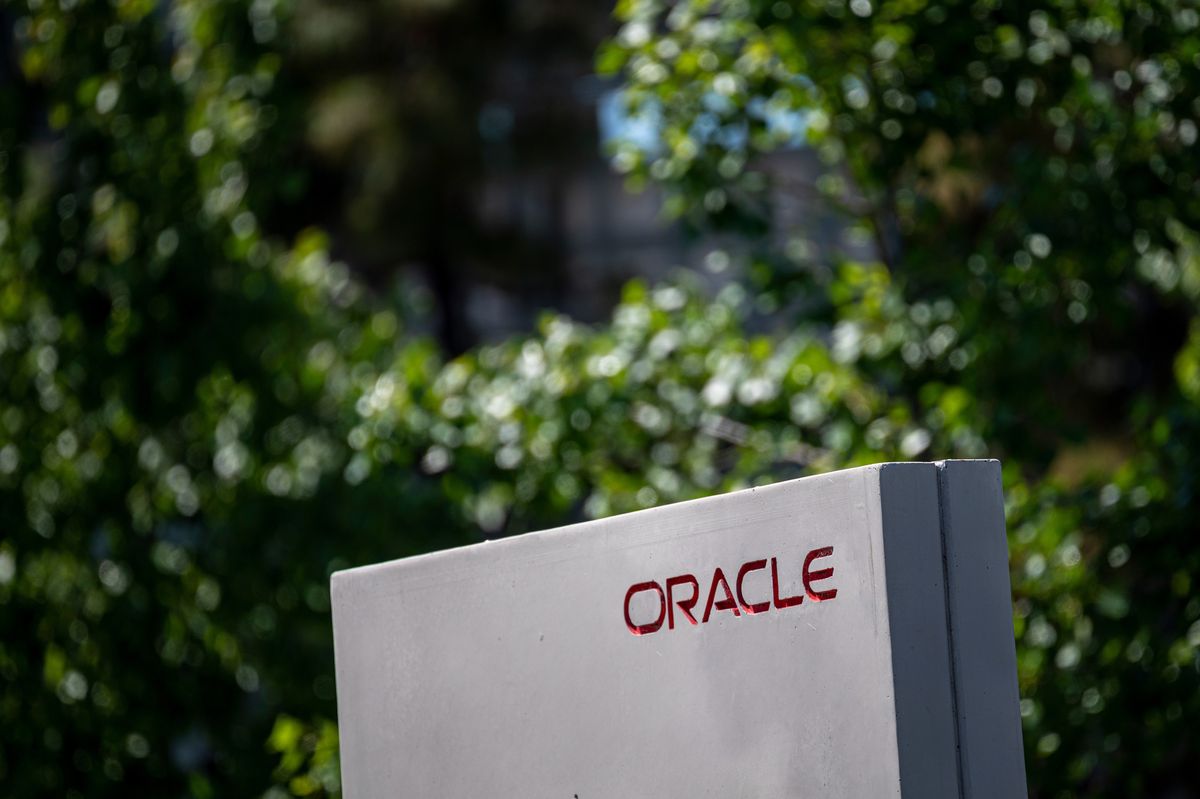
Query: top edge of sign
<point x="495" y="544"/>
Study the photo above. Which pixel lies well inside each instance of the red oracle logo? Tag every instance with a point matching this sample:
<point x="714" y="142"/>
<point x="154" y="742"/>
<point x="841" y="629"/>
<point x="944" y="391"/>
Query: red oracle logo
<point x="678" y="600"/>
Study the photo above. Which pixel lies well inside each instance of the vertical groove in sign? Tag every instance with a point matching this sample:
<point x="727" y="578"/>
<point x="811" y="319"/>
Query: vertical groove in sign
<point x="942" y="529"/>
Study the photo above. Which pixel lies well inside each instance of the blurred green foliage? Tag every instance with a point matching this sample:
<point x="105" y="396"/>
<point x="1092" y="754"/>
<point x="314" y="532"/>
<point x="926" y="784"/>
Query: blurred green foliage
<point x="199" y="422"/>
<point x="1028" y="174"/>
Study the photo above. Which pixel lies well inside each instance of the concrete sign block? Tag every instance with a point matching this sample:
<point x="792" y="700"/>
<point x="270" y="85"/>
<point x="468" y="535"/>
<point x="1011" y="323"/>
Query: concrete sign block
<point x="843" y="635"/>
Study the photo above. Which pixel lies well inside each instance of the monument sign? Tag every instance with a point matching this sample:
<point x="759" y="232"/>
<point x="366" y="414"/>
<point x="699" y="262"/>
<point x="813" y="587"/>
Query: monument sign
<point x="844" y="635"/>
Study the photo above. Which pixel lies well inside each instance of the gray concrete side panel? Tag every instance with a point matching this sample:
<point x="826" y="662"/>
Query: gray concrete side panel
<point x="983" y="648"/>
<point x="917" y="615"/>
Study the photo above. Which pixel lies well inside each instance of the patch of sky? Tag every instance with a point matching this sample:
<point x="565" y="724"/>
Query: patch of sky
<point x="641" y="127"/>
<point x="621" y="124"/>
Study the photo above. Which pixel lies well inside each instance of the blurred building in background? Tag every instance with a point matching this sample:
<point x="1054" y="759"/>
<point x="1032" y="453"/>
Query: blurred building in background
<point x="498" y="106"/>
